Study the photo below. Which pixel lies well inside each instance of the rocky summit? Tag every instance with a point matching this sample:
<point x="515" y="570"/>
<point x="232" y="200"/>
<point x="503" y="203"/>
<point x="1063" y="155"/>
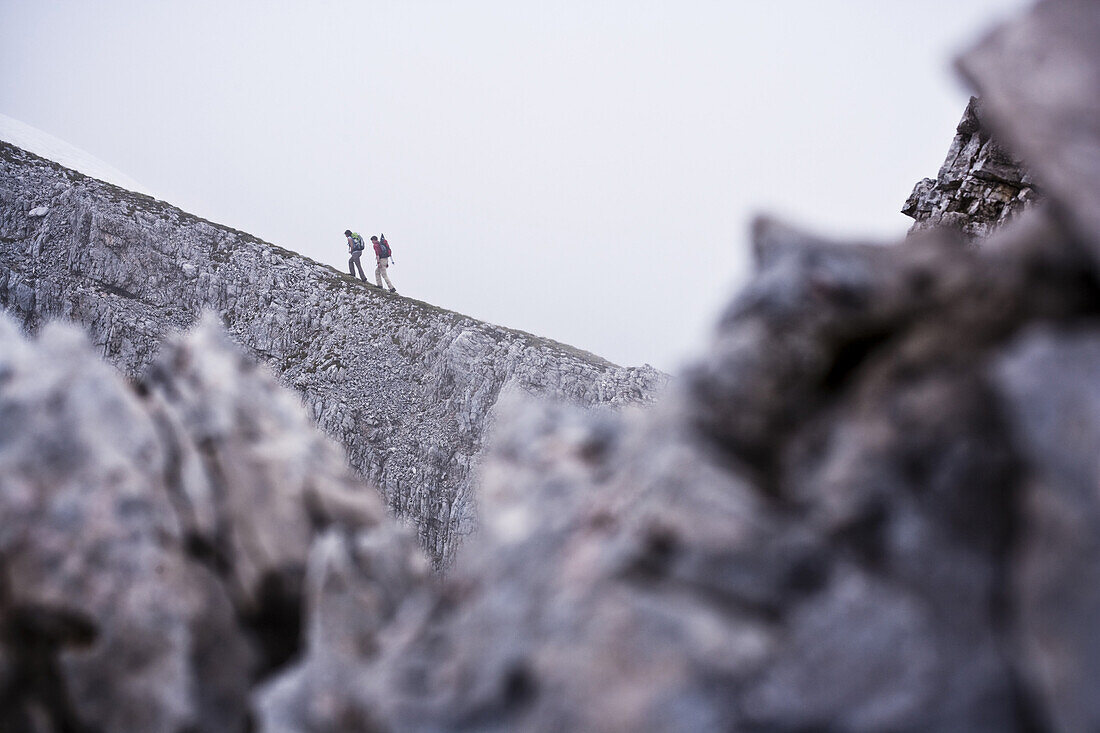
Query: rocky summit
<point x="979" y="187"/>
<point x="406" y="387"/>
<point x="870" y="504"/>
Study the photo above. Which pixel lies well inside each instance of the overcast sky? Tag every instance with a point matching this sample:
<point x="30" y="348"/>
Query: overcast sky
<point x="581" y="170"/>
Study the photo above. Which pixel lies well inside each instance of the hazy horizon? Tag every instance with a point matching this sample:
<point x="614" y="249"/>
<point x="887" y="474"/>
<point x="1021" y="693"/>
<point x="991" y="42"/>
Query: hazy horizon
<point x="583" y="172"/>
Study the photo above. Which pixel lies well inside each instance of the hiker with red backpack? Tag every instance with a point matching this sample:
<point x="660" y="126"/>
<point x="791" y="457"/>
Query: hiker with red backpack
<point x="382" y="254"/>
<point x="355" y="249"/>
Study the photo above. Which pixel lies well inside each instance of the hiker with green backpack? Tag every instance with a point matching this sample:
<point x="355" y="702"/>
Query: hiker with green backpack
<point x="355" y="248"/>
<point x="382" y="254"/>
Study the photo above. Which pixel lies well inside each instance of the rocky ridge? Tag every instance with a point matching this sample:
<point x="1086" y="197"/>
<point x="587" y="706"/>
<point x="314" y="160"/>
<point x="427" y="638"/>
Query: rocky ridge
<point x="869" y="505"/>
<point x="406" y="387"/>
<point x="979" y="187"/>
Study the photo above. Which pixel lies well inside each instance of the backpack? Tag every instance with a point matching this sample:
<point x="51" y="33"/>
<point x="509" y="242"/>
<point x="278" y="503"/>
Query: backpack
<point x="384" y="248"/>
<point x="357" y="242"/>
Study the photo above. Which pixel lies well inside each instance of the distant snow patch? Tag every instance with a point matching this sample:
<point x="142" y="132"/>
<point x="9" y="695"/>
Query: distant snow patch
<point x="45" y="145"/>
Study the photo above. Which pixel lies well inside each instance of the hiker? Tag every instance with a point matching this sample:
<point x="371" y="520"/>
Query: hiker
<point x="382" y="257"/>
<point x="355" y="247"/>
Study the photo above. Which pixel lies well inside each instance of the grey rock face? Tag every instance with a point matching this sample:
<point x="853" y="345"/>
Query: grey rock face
<point x="980" y="186"/>
<point x="406" y="387"/>
<point x="1041" y="78"/>
<point x="153" y="543"/>
<point x="831" y="554"/>
<point x="870" y="505"/>
<point x="1052" y="376"/>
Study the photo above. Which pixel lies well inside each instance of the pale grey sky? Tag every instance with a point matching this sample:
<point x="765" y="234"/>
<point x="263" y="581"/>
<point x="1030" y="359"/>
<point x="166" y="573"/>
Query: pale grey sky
<point x="582" y="170"/>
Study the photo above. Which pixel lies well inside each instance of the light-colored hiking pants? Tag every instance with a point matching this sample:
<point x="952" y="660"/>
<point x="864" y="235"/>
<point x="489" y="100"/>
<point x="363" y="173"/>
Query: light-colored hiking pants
<point x="380" y="272"/>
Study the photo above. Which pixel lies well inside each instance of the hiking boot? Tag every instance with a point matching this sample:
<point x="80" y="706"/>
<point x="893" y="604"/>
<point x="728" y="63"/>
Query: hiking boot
<point x="393" y="290"/>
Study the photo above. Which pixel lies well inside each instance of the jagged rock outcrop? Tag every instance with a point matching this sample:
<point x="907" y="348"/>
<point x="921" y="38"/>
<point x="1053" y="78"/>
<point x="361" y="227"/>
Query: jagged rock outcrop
<point x="870" y="505"/>
<point x="406" y="387"/>
<point x="980" y="186"/>
<point x="826" y="545"/>
<point x="1040" y="81"/>
<point x="153" y="541"/>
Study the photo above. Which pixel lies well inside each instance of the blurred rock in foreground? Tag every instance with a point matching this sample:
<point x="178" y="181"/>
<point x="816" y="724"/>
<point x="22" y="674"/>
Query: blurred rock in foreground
<point x="153" y="541"/>
<point x="871" y="505"/>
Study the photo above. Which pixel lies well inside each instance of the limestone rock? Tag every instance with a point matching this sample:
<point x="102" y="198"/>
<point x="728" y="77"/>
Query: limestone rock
<point x="663" y="571"/>
<point x="871" y="504"/>
<point x="1051" y="376"/>
<point x="1040" y="78"/>
<point x="107" y="623"/>
<point x="980" y="186"/>
<point x="406" y="387"/>
<point x="154" y="541"/>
